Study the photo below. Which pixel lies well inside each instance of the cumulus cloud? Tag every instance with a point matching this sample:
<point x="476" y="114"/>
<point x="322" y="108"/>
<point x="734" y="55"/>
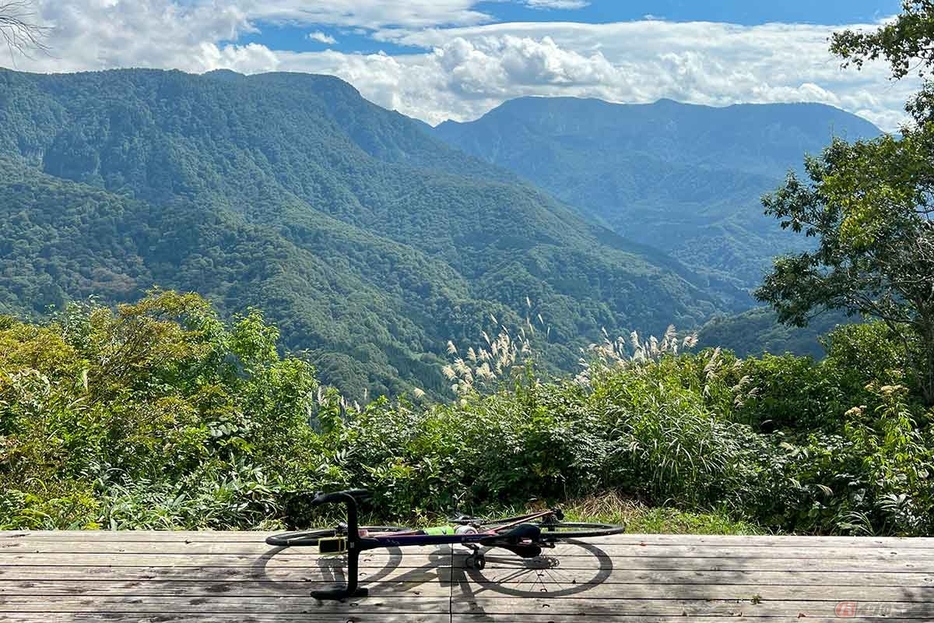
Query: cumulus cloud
<point x="468" y="66"/>
<point x="700" y="62"/>
<point x="496" y="65"/>
<point x="321" y="37"/>
<point x="97" y="34"/>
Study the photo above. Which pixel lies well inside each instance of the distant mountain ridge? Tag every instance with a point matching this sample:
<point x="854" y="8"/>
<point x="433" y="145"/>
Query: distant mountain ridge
<point x="367" y="240"/>
<point x="686" y="179"/>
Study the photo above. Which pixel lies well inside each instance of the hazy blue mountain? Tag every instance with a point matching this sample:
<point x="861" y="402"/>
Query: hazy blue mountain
<point x="685" y="179"/>
<point x="367" y="240"/>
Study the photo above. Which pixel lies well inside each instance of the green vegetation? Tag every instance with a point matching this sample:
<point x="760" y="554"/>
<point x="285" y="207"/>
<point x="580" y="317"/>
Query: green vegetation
<point x="152" y="416"/>
<point x="869" y="205"/>
<point x="641" y="518"/>
<point x="758" y="331"/>
<point x="174" y="412"/>
<point x="367" y="241"/>
<point x="160" y="415"/>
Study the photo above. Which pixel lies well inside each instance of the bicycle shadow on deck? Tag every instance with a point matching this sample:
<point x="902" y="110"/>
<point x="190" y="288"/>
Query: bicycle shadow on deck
<point x="327" y="571"/>
<point x="571" y="568"/>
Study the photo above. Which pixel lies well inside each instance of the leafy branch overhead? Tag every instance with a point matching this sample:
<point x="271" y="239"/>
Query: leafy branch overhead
<point x="906" y="43"/>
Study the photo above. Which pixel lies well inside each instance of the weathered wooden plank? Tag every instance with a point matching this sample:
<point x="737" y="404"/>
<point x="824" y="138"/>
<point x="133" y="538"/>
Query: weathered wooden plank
<point x="198" y="617"/>
<point x="257" y="538"/>
<point x="225" y="604"/>
<point x="723" y="563"/>
<point x="187" y="588"/>
<point x="174" y="547"/>
<point x="146" y="536"/>
<point x="493" y="573"/>
<point x="499" y="574"/>
<point x="667" y="592"/>
<point x="479" y="604"/>
<point x="204" y="536"/>
<point x="492" y="604"/>
<point x="588" y="549"/>
<point x="760" y="541"/>
<point x="111" y="617"/>
<point x="374" y="559"/>
<point x="532" y="588"/>
<point x="619" y="539"/>
<point x="632" y="578"/>
<point x="582" y="618"/>
<point x="854" y="563"/>
<point x="34" y="617"/>
<point x="427" y="573"/>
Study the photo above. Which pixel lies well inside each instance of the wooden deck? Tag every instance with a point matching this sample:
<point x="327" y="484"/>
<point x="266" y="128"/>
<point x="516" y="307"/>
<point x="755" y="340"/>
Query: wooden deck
<point x="235" y="576"/>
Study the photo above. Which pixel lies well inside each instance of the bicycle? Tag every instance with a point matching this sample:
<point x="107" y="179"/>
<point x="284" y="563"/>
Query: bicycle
<point x="524" y="535"/>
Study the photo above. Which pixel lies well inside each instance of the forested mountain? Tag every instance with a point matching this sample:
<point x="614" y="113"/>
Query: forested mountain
<point x="685" y="179"/>
<point x="368" y="241"/>
<point x="757" y="331"/>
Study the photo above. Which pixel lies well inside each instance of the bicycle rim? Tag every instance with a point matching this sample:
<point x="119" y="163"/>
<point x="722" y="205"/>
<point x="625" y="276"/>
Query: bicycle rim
<point x="562" y="531"/>
<point x="311" y="537"/>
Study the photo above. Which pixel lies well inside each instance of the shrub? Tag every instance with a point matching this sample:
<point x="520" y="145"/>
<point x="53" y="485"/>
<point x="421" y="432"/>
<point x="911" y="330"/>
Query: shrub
<point x="159" y="415"/>
<point x="125" y="418"/>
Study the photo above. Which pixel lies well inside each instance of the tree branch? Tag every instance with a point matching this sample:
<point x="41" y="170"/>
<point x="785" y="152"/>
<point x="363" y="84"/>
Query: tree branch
<point x="18" y="29"/>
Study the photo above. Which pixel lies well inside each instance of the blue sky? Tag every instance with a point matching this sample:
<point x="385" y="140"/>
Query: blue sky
<point x="457" y="59"/>
<point x="747" y="13"/>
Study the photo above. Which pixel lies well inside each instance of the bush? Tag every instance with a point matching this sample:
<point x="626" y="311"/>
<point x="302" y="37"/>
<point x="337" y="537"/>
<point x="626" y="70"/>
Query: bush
<point x="794" y="393"/>
<point x="140" y="417"/>
<point x="159" y="415"/>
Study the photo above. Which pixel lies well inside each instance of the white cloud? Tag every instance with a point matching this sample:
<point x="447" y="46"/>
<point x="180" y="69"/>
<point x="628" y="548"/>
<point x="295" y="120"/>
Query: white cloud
<point x="565" y="5"/>
<point x="466" y="70"/>
<point x="96" y="34"/>
<point x="699" y="62"/>
<point x="364" y="13"/>
<point x="321" y="37"/>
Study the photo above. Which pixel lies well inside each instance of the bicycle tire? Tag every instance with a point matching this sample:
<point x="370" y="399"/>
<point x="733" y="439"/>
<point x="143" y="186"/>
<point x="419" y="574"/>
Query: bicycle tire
<point x="305" y="538"/>
<point x="560" y="531"/>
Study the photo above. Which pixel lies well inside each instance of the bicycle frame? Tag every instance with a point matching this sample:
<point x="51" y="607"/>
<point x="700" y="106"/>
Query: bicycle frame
<point x="418" y="537"/>
<point x="508" y="535"/>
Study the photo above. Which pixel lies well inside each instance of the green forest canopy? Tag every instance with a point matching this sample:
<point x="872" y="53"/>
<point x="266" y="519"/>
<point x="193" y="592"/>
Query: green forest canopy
<point x="367" y="241"/>
<point x="682" y="178"/>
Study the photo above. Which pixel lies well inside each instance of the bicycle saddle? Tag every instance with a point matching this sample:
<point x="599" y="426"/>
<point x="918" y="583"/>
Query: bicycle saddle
<point x="358" y="495"/>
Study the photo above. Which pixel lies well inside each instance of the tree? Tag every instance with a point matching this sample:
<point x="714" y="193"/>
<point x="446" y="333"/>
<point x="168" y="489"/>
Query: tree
<point x="870" y="204"/>
<point x="17" y="29"/>
<point x="906" y="43"/>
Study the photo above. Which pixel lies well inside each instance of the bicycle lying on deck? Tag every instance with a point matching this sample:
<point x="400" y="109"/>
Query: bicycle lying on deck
<point x="525" y="536"/>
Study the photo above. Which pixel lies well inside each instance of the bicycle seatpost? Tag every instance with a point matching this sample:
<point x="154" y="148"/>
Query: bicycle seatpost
<point x="354" y="547"/>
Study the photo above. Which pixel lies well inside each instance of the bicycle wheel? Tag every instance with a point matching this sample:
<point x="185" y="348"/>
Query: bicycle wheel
<point x="563" y="531"/>
<point x="311" y="537"/>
